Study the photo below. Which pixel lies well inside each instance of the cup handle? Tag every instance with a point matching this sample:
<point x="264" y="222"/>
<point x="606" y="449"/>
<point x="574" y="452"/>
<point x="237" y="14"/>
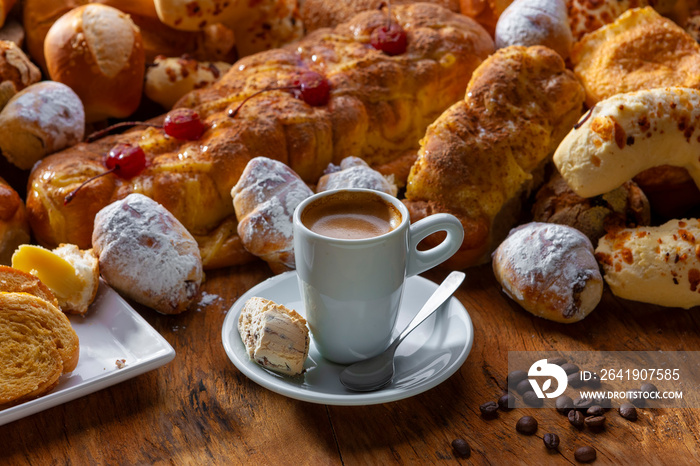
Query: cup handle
<point x="420" y="261"/>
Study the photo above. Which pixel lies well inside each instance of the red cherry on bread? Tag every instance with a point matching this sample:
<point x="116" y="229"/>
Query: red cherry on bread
<point x="389" y="39"/>
<point x="184" y="124"/>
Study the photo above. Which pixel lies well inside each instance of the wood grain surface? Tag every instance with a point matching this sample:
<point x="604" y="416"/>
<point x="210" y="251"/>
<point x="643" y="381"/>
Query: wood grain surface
<point x="199" y="409"/>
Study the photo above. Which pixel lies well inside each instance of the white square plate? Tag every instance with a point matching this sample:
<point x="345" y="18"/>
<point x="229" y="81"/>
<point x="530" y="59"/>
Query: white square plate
<point x="111" y="330"/>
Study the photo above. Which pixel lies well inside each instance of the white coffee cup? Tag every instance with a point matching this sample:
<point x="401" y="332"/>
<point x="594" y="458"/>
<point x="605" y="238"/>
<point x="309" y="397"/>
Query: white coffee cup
<point x="352" y="288"/>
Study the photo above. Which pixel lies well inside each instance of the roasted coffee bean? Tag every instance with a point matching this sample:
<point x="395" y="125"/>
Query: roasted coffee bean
<point x="515" y="377"/>
<point x="551" y="441"/>
<point x="585" y="454"/>
<point x="503" y="403"/>
<point x="575" y="418"/>
<point x="461" y="447"/>
<point x="595" y="422"/>
<point x="531" y="399"/>
<point x="649" y="388"/>
<point x="526" y="425"/>
<point x="556" y="361"/>
<point x="564" y="404"/>
<point x="570" y="368"/>
<point x="523" y="387"/>
<point x="489" y="409"/>
<point x="604" y="403"/>
<point x="636" y="397"/>
<point x="583" y="403"/>
<point x="595" y="410"/>
<point x="628" y="411"/>
<point x="574" y="380"/>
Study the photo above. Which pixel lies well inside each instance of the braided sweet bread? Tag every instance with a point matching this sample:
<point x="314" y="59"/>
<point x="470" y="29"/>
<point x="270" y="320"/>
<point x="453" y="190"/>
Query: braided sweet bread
<point x="378" y="110"/>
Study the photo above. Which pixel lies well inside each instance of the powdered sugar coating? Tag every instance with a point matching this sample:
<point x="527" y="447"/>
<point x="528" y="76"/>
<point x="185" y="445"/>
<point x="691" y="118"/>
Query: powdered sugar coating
<point x="264" y="200"/>
<point x="354" y="172"/>
<point x="146" y="254"/>
<point x="548" y="268"/>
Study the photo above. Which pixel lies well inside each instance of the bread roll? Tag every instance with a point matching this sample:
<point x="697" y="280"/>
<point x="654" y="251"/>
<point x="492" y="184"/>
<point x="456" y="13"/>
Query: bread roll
<point x="14" y="227"/>
<point x="16" y="71"/>
<point x="628" y="133"/>
<point x="586" y="16"/>
<point x="40" y="120"/>
<point x="550" y="271"/>
<point x="657" y="265"/>
<point x="354" y="172"/>
<point x="97" y="51"/>
<point x="147" y="255"/>
<point x="264" y="200"/>
<point x="535" y="22"/>
<point x="168" y="79"/>
<point x="15" y="281"/>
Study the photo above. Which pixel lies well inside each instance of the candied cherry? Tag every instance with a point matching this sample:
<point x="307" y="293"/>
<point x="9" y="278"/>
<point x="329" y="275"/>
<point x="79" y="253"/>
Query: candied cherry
<point x="124" y="160"/>
<point x="312" y="87"/>
<point x="390" y="38"/>
<point x="184" y="124"/>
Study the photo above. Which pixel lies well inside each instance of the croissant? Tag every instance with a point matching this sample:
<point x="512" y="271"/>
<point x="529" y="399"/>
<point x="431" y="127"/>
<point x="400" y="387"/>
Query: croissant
<point x="378" y="110"/>
<point x="477" y="160"/>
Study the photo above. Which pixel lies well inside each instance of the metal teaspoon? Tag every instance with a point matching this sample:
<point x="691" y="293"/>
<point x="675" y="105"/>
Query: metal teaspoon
<point x="374" y="373"/>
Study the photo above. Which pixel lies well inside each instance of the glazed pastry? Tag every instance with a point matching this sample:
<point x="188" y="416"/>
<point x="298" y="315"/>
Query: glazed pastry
<point x="550" y="270"/>
<point x="14" y="228"/>
<point x="72" y="274"/>
<point x="275" y="337"/>
<point x="479" y="159"/>
<point x="629" y="133"/>
<point x="16" y="71"/>
<point x="353" y="172"/>
<point x="378" y="109"/>
<point x="535" y="22"/>
<point x="626" y="206"/>
<point x="264" y="200"/>
<point x="147" y="255"/>
<point x="40" y="120"/>
<point x="657" y="265"/>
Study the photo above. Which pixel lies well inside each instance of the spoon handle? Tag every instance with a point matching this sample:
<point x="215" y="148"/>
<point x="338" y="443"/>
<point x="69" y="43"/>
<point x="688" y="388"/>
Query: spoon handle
<point x="442" y="294"/>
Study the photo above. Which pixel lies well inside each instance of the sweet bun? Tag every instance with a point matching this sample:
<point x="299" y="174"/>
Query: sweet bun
<point x="168" y="79"/>
<point x="15" y="281"/>
<point x="147" y="255"/>
<point x="264" y="200"/>
<point x="16" y="71"/>
<point x="14" y="227"/>
<point x="535" y="22"/>
<point x="485" y="12"/>
<point x="40" y="120"/>
<point x="550" y="270"/>
<point x="353" y="172"/>
<point x="97" y="50"/>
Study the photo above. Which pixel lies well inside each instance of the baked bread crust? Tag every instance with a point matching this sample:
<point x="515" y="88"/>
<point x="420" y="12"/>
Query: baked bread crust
<point x="15" y="281"/>
<point x="479" y="156"/>
<point x="14" y="227"/>
<point x="379" y="108"/>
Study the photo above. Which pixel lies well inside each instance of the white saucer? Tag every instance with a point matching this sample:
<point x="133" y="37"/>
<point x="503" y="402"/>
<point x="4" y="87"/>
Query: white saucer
<point x="428" y="356"/>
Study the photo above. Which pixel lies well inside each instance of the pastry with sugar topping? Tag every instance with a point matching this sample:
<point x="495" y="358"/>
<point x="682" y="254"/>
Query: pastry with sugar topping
<point x="354" y="172"/>
<point x="147" y="255"/>
<point x="550" y="270"/>
<point x="657" y="265"/>
<point x="275" y="337"/>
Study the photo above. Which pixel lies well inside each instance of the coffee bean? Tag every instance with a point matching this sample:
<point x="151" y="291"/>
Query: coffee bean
<point x="551" y="441"/>
<point x="515" y="377"/>
<point x="585" y="454"/>
<point x="503" y="403"/>
<point x="526" y="425"/>
<point x="595" y="410"/>
<point x="531" y="399"/>
<point x="575" y="418"/>
<point x="595" y="422"/>
<point x="574" y="380"/>
<point x="649" y="388"/>
<point x="570" y="368"/>
<point x="564" y="404"/>
<point x="462" y="448"/>
<point x="523" y="387"/>
<point x="556" y="361"/>
<point x="605" y="403"/>
<point x="489" y="409"/>
<point x="628" y="411"/>
<point x="583" y="403"/>
<point x="636" y="398"/>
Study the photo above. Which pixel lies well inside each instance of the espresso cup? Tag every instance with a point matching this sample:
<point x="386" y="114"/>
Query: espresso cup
<point x="354" y="249"/>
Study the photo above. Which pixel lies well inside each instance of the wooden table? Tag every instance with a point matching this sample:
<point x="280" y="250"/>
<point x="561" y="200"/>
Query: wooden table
<point x="199" y="409"/>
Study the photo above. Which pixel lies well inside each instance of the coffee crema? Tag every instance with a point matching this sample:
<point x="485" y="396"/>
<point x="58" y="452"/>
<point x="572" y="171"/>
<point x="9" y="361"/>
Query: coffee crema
<point x="351" y="215"/>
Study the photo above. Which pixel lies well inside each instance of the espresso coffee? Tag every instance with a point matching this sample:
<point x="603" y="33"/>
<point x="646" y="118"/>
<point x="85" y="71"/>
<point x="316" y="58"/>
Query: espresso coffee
<point x="351" y="215"/>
